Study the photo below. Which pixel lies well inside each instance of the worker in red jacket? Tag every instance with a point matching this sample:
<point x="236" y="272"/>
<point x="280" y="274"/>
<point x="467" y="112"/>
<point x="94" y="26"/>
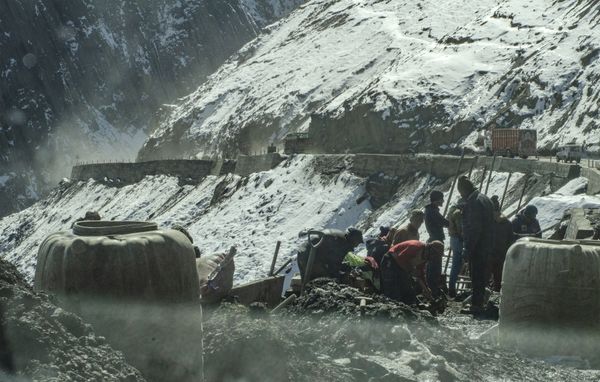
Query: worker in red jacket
<point x="405" y="261"/>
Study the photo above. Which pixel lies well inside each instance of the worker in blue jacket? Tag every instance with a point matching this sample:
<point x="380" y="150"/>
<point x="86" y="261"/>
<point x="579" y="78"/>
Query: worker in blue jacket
<point x="525" y="224"/>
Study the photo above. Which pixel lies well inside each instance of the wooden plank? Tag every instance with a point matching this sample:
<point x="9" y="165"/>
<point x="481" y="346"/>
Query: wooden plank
<point x="267" y="290"/>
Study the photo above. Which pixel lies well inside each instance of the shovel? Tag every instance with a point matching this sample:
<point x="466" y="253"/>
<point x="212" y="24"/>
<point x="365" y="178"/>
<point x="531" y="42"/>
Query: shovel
<point x="311" y="257"/>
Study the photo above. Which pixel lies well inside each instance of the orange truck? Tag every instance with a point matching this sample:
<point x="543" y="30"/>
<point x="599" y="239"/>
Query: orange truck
<point x="512" y="142"/>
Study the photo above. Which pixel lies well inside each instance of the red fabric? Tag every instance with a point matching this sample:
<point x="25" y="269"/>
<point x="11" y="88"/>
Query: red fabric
<point x="409" y="255"/>
<point x="371" y="262"/>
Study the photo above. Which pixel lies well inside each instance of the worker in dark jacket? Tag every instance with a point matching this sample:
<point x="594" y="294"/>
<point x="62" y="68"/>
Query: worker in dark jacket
<point x="435" y="223"/>
<point x="411" y="230"/>
<point x="333" y="248"/>
<point x="525" y="223"/>
<point x="503" y="239"/>
<point x="478" y="222"/>
<point x="403" y="262"/>
<point x="377" y="247"/>
<point x="456" y="244"/>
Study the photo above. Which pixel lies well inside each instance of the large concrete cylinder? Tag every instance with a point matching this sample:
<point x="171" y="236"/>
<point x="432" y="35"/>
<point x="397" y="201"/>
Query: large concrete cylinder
<point x="137" y="285"/>
<point x="551" y="297"/>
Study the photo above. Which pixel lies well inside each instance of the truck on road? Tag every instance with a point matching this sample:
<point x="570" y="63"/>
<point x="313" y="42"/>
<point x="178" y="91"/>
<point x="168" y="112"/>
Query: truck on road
<point x="511" y="142"/>
<point x="570" y="153"/>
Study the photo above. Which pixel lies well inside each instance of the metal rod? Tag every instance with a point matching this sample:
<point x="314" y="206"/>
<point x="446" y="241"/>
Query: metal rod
<point x="281" y="268"/>
<point x="277" y="246"/>
<point x="454" y="182"/>
<point x="475" y="160"/>
<point x="505" y="189"/>
<point x="482" y="178"/>
<point x="522" y="193"/>
<point x="448" y="260"/>
<point x="487" y="186"/>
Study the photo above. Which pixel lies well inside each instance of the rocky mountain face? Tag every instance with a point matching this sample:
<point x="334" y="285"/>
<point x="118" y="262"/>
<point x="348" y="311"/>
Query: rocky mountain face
<point x="394" y="76"/>
<point x="81" y="80"/>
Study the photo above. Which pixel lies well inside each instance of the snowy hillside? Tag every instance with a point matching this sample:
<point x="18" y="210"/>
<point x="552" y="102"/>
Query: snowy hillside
<point x="81" y="80"/>
<point x="429" y="72"/>
<point x="251" y="213"/>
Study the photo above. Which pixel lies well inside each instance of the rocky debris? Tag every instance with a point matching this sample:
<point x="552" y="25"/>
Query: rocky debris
<point x="47" y="343"/>
<point x="323" y="336"/>
<point x="326" y="296"/>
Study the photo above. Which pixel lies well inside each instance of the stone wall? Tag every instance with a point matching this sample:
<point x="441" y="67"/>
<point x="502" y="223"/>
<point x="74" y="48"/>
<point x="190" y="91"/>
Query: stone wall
<point x="579" y="226"/>
<point x="593" y="176"/>
<point x="441" y="166"/>
<point x="191" y="171"/>
<point x="247" y="164"/>
<point x="188" y="171"/>
<point x="561" y="170"/>
<point x="444" y="166"/>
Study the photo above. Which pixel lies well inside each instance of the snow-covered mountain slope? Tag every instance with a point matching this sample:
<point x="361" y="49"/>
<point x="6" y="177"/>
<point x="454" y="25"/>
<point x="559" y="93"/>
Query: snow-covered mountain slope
<point x="82" y="79"/>
<point x="254" y="212"/>
<point x="419" y="74"/>
<point x="251" y="213"/>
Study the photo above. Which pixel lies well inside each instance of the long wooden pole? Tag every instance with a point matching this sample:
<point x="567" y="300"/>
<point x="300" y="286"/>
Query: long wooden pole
<point x="482" y="177"/>
<point x="522" y="193"/>
<point x="278" y="271"/>
<point x="277" y="246"/>
<point x="475" y="160"/>
<point x="454" y="182"/>
<point x="505" y="189"/>
<point x="487" y="186"/>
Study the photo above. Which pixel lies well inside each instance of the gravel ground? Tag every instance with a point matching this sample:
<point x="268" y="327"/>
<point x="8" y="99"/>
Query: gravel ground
<point x="325" y="336"/>
<point x="47" y="343"/>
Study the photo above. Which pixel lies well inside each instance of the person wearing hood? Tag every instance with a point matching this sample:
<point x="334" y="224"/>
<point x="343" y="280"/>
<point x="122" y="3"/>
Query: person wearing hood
<point x="525" y="224"/>
<point x="330" y="254"/>
<point x="435" y="223"/>
<point x="478" y="223"/>
<point x="377" y="247"/>
<point x="456" y="244"/>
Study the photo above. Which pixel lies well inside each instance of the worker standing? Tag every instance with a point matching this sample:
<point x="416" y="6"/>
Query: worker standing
<point x="456" y="244"/>
<point x="435" y="223"/>
<point x="478" y="222"/>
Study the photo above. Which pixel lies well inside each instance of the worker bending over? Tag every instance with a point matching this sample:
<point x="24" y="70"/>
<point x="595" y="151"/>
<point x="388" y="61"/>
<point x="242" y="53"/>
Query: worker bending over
<point x="405" y="261"/>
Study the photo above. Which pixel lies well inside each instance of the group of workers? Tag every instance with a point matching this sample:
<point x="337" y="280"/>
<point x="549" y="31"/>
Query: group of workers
<point x="406" y="266"/>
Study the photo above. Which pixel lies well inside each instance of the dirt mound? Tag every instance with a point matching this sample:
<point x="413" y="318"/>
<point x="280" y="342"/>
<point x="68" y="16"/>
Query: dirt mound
<point x="47" y="343"/>
<point x="325" y="296"/>
<point x="325" y="336"/>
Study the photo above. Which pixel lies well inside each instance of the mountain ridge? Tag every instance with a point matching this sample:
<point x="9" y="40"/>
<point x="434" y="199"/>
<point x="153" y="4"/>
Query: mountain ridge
<point x="422" y="75"/>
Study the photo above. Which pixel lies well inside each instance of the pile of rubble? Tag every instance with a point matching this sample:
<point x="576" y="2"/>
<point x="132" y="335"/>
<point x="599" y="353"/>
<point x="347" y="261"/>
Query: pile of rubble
<point x="47" y="343"/>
